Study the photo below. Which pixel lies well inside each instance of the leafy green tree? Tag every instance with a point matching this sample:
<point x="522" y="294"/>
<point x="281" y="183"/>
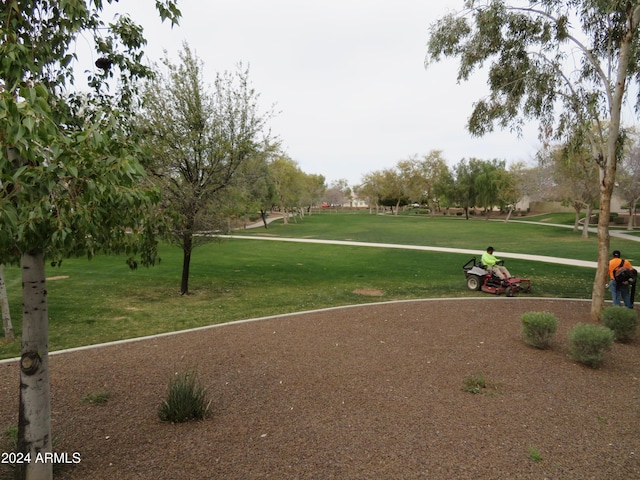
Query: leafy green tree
<point x="252" y="187"/>
<point x="444" y="188"/>
<point x="196" y="141"/>
<point x="69" y="176"/>
<point x="511" y="186"/>
<point x="576" y="178"/>
<point x="464" y="191"/>
<point x="420" y="175"/>
<point x="371" y="189"/>
<point x="487" y="184"/>
<point x="433" y="168"/>
<point x="394" y="189"/>
<point x="415" y="182"/>
<point x="313" y="190"/>
<point x="288" y="184"/>
<point x="565" y="63"/>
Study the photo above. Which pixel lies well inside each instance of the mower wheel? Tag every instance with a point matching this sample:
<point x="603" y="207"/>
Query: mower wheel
<point x="474" y="282"/>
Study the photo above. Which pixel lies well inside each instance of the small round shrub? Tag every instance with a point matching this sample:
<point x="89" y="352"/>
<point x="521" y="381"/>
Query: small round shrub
<point x="538" y="328"/>
<point x="589" y="342"/>
<point x="623" y="322"/>
<point x="186" y="399"/>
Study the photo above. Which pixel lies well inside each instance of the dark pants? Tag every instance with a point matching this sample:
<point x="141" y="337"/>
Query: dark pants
<point x="620" y="290"/>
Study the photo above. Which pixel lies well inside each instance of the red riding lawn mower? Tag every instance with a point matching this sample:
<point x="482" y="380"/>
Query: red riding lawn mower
<point x="479" y="278"/>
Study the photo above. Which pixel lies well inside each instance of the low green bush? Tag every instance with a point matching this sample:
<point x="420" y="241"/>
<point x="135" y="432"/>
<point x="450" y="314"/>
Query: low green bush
<point x="589" y="342"/>
<point x="538" y="328"/>
<point x="534" y="454"/>
<point x="96" y="398"/>
<point x="474" y="384"/>
<point x="623" y="322"/>
<point x="10" y="440"/>
<point x="477" y="384"/>
<point x="186" y="399"/>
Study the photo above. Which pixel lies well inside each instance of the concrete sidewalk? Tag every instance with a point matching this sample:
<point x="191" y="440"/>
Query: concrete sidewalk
<point x="612" y="233"/>
<point x="471" y="253"/>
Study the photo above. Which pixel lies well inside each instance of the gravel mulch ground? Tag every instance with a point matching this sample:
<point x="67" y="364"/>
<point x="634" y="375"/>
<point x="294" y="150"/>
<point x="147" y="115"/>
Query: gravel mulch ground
<point x="352" y="393"/>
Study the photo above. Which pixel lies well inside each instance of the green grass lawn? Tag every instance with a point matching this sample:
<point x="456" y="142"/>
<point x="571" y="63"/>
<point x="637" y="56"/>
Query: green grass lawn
<point x="102" y="300"/>
<point x="450" y="231"/>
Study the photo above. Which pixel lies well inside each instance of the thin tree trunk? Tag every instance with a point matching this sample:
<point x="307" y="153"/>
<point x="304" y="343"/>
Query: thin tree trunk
<point x="4" y="303"/>
<point x="263" y="215"/>
<point x="585" y="226"/>
<point x="506" y="220"/>
<point x="187" y="248"/>
<point x="576" y="221"/>
<point x="186" y="264"/>
<point x="632" y="215"/>
<point x="34" y="418"/>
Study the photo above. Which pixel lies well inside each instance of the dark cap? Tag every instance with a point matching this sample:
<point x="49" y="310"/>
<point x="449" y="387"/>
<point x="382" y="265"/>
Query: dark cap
<point x="616" y="253"/>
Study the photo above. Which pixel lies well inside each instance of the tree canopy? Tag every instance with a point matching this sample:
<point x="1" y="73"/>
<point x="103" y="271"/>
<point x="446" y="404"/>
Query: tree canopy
<point x="68" y="172"/>
<point x="196" y="139"/>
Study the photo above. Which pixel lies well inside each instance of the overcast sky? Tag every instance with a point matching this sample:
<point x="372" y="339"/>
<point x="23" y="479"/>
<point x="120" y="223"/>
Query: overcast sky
<point x="346" y="77"/>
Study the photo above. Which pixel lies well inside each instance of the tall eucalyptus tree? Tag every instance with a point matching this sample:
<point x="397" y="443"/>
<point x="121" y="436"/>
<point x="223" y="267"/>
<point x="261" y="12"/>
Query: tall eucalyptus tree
<point x="566" y="63"/>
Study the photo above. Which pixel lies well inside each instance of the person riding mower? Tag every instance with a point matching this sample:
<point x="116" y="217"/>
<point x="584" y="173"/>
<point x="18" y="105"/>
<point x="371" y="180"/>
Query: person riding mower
<point x="495" y="278"/>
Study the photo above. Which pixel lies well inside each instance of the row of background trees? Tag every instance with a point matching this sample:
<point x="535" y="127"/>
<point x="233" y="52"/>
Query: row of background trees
<point x="558" y="174"/>
<point x="209" y="153"/>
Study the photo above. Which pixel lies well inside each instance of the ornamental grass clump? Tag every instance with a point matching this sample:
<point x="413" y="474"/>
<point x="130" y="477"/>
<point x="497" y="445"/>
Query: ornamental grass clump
<point x="623" y="322"/>
<point x="589" y="342"/>
<point x="186" y="399"/>
<point x="538" y="328"/>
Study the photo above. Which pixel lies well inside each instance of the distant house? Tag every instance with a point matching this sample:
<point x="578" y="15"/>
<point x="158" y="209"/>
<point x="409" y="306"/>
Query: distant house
<point x="356" y="202"/>
<point x="348" y="202"/>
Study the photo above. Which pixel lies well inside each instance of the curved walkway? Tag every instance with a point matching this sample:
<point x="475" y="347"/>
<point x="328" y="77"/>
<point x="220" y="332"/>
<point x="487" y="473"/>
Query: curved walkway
<point x="612" y="233"/>
<point x="521" y="256"/>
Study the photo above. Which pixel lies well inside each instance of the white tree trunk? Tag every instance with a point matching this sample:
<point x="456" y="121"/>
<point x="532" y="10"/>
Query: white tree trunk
<point x="4" y="303"/>
<point x="34" y="421"/>
<point x="632" y="215"/>
<point x="597" y="296"/>
<point x="506" y="220"/>
<point x="608" y="169"/>
<point x="576" y="222"/>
